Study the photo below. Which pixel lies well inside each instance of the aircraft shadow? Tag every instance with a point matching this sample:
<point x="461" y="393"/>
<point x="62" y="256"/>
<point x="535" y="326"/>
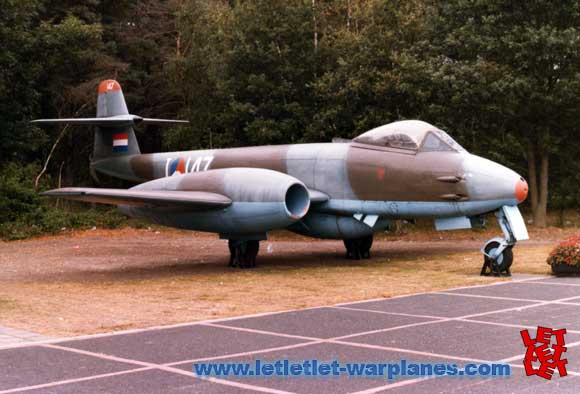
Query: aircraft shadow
<point x="281" y="258"/>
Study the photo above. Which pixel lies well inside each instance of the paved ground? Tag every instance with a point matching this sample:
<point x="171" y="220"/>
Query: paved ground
<point x="460" y="325"/>
<point x="10" y="336"/>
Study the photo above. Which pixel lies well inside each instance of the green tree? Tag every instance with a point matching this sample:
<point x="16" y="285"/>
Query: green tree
<point x="19" y="71"/>
<point x="509" y="68"/>
<point x="247" y="70"/>
<point x="195" y="74"/>
<point x="48" y="65"/>
<point x="362" y="86"/>
<point x="73" y="64"/>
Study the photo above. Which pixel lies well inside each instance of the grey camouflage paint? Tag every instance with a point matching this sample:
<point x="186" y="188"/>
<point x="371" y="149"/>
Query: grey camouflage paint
<point x="359" y="187"/>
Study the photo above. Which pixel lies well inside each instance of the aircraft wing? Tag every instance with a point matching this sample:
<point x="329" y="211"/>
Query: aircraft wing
<point x="161" y="198"/>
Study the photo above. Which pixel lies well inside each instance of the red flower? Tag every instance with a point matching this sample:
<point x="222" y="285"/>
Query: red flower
<point x="567" y="252"/>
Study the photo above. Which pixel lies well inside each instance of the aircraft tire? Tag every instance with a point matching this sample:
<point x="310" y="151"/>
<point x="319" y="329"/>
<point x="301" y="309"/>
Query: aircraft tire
<point x="252" y="250"/>
<point x="503" y="262"/>
<point x="243" y="253"/>
<point x="351" y="250"/>
<point x="365" y="245"/>
<point x="233" y="257"/>
<point x="358" y="248"/>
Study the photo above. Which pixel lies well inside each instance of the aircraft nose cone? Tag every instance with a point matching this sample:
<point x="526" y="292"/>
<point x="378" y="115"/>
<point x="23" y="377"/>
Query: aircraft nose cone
<point x="521" y="191"/>
<point x="487" y="180"/>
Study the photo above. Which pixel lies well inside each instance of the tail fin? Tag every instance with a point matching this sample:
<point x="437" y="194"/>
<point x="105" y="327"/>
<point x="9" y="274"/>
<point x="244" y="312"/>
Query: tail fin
<point x="112" y="141"/>
<point x="114" y="134"/>
<point x="110" y="101"/>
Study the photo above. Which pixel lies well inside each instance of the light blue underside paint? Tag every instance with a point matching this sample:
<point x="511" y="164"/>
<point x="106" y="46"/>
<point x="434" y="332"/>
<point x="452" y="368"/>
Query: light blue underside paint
<point x="412" y="209"/>
<point x="255" y="218"/>
<point x="238" y="218"/>
<point x="516" y="223"/>
<point x="453" y="223"/>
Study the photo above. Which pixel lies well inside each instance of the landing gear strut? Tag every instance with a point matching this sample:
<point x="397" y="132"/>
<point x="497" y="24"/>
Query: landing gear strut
<point x="243" y="253"/>
<point x="358" y="248"/>
<point x="497" y="252"/>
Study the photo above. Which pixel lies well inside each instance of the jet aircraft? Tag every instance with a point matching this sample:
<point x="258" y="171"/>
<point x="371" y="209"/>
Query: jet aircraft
<point x="346" y="190"/>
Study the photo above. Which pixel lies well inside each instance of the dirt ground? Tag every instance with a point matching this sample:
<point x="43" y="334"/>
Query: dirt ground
<point x="106" y="280"/>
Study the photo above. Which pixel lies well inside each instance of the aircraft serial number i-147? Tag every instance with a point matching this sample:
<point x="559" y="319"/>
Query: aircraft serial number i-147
<point x="341" y="190"/>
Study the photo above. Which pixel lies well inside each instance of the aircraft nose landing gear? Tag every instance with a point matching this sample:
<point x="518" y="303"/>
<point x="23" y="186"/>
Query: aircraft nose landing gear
<point x="497" y="252"/>
<point x="497" y="259"/>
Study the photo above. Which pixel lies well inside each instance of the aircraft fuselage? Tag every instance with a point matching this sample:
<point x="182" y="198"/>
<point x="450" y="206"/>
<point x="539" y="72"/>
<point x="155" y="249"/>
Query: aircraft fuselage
<point x="357" y="178"/>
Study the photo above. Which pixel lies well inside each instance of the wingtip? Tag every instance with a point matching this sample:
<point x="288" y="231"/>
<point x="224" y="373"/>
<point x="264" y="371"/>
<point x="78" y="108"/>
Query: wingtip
<point x="66" y="191"/>
<point x="163" y="121"/>
<point x="49" y="193"/>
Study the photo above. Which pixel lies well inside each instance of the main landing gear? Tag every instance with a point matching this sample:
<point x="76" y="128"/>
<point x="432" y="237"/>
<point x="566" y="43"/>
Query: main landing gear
<point x="497" y="252"/>
<point x="243" y="253"/>
<point x="359" y="248"/>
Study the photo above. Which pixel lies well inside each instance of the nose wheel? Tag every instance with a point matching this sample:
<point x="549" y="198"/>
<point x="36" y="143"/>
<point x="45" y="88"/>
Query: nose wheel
<point x="497" y="260"/>
<point x="498" y="255"/>
<point x="358" y="248"/>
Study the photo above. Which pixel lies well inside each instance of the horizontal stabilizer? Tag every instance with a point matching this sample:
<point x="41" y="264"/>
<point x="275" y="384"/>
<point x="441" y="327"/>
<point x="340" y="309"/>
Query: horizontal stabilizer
<point x="153" y="198"/>
<point x="110" y="121"/>
<point x="162" y="121"/>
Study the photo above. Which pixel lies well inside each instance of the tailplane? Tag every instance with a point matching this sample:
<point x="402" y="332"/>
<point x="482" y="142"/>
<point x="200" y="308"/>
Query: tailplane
<point x="114" y="133"/>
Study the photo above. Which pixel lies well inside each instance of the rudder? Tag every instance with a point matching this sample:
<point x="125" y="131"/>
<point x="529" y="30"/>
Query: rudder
<point x="113" y="141"/>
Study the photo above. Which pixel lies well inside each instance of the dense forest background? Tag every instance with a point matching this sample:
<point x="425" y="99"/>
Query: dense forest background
<point x="502" y="77"/>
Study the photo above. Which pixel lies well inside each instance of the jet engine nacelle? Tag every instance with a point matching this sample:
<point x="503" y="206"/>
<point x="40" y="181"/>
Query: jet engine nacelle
<point x="261" y="200"/>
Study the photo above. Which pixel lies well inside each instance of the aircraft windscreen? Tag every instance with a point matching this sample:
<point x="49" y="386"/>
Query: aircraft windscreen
<point x="432" y="143"/>
<point x="448" y="140"/>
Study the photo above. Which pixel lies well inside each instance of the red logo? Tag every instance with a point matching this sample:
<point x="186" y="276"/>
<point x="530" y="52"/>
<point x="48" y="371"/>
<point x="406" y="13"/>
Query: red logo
<point x="545" y="351"/>
<point x="380" y="174"/>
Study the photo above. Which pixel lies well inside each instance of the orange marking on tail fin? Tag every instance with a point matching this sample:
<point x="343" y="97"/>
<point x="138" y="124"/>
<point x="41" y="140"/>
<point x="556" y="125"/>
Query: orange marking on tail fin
<point x="109" y="85"/>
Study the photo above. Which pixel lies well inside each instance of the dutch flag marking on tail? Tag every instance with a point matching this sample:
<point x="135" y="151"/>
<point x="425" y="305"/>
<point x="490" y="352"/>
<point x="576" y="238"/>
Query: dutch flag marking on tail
<point x="120" y="142"/>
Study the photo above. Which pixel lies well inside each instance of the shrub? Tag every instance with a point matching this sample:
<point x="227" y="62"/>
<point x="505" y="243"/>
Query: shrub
<point x="23" y="213"/>
<point x="17" y="194"/>
<point x="49" y="220"/>
<point x="567" y="252"/>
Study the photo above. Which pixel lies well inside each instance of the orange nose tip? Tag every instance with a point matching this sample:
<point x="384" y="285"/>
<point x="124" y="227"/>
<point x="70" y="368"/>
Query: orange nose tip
<point x="521" y="190"/>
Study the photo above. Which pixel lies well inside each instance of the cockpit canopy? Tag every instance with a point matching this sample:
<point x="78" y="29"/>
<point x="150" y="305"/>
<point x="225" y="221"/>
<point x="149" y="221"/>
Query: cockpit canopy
<point x="412" y="135"/>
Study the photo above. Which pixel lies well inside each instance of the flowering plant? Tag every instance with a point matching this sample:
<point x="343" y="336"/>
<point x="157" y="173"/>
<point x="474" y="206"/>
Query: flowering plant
<point x="567" y="252"/>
